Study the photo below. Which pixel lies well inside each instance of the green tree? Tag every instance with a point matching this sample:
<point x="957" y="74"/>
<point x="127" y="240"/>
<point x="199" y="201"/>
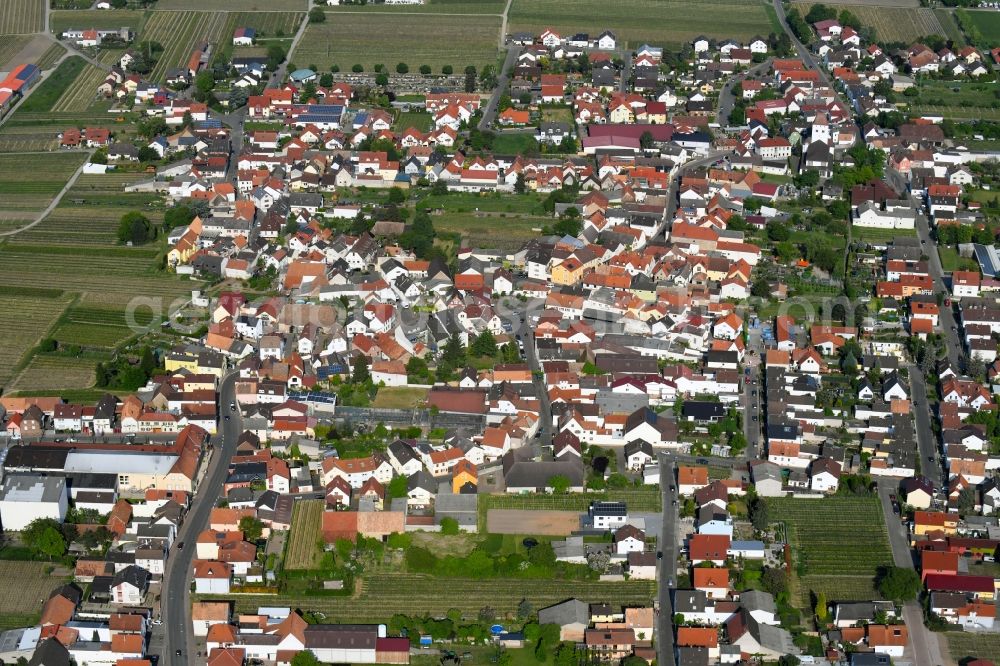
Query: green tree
<point x="425" y="70"/>
<point x="317" y="15"/>
<point x="470" y="79"/>
<point x="559" y="483"/>
<point x="43" y="536"/>
<point x="402" y="68"/>
<point x="778" y="232"/>
<point x="326" y="80"/>
<point x="820" y="609"/>
<point x="204" y="81"/>
<point x="484" y="345"/>
<point x="252" y="528"/>
<point x="449" y="526"/>
<point x="898" y="583"/>
<point x="447" y="70"/>
<point x="305" y="658"/>
<point x="774" y="581"/>
<point x="359" y="372"/>
<point x="357" y="69"/>
<point x="397" y="487"/>
<point x="382" y="79"/>
<point x="134" y="227"/>
<point x="275" y="56"/>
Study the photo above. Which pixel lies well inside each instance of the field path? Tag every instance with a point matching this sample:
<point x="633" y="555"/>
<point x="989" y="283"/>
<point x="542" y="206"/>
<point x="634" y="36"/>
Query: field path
<point x="503" y="23"/>
<point x="55" y="202"/>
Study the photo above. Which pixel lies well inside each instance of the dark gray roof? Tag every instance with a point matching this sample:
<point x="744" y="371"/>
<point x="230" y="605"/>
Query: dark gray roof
<point x="572" y="611"/>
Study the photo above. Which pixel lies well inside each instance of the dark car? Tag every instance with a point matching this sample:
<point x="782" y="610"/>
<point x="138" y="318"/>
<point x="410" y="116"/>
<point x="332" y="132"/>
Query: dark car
<point x="702" y="461"/>
<point x="177" y="652"/>
<point x="180" y="545"/>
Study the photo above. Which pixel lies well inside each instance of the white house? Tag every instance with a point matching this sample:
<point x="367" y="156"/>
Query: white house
<point x="27" y="497"/>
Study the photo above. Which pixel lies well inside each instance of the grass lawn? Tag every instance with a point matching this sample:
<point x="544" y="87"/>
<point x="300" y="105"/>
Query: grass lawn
<point x="399" y="397"/>
<point x="818" y="530"/>
<point x="662" y="22"/>
<point x="987" y="23"/>
<point x="558" y="115"/>
<point x="421" y="120"/>
<point x="951" y="261"/>
<point x="880" y="235"/>
<point x="494" y="202"/>
<point x="514" y="143"/>
<point x="368" y="39"/>
<point x="501" y="228"/>
<point x="50" y="90"/>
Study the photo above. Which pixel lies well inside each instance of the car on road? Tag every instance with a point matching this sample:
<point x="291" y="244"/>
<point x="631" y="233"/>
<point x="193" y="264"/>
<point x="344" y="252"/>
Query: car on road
<point x="754" y="417"/>
<point x="177" y="652"/>
<point x="659" y="554"/>
<point x="157" y="622"/>
<point x="232" y="406"/>
<point x="702" y="461"/>
<point x="227" y="417"/>
<point x="180" y="545"/>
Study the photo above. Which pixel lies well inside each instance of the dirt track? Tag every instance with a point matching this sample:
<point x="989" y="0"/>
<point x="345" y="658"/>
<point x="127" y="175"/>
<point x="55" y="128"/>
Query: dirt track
<point x="519" y="521"/>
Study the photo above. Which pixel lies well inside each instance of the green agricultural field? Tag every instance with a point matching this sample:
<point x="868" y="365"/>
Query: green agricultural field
<point x="449" y="7"/>
<point x="10" y="46"/>
<point x="891" y="24"/>
<point x="21" y="17"/>
<point x="35" y="317"/>
<point x="381" y="38"/>
<point x="27" y="582"/>
<point x="818" y="530"/>
<point x="48" y="92"/>
<point x="236" y="5"/>
<point x="54" y="373"/>
<point x="668" y="23"/>
<point x="81" y="94"/>
<point x="23" y="139"/>
<point x="984" y="26"/>
<point x="383" y="594"/>
<point x="99" y="19"/>
<point x="101" y="328"/>
<point x="180" y="32"/>
<point x="49" y="173"/>
<point x="491" y="228"/>
<point x="302" y="551"/>
<point x="963" y="645"/>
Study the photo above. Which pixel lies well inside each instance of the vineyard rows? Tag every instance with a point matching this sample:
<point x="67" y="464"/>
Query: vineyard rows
<point x="385" y="594"/>
<point x="307" y="521"/>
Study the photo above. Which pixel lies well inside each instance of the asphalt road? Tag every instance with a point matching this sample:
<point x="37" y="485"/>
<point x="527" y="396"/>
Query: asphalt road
<point x="503" y="81"/>
<point x="923" y="649"/>
<point x="947" y="319"/>
<point x="176" y="588"/>
<point x="726" y="99"/>
<point x="930" y="464"/>
<point x="668" y="565"/>
<point x="753" y="396"/>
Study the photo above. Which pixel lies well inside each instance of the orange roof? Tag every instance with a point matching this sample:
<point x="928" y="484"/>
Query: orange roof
<point x="692" y="476"/>
<point x="880" y="634"/>
<point x="938" y="561"/>
<point x="127" y="643"/>
<point x="710" y="577"/>
<point x="697" y="637"/>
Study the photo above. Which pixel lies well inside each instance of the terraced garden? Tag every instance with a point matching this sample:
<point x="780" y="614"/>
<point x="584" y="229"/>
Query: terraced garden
<point x="302" y="551"/>
<point x="383" y="594"/>
<point x="817" y="531"/>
